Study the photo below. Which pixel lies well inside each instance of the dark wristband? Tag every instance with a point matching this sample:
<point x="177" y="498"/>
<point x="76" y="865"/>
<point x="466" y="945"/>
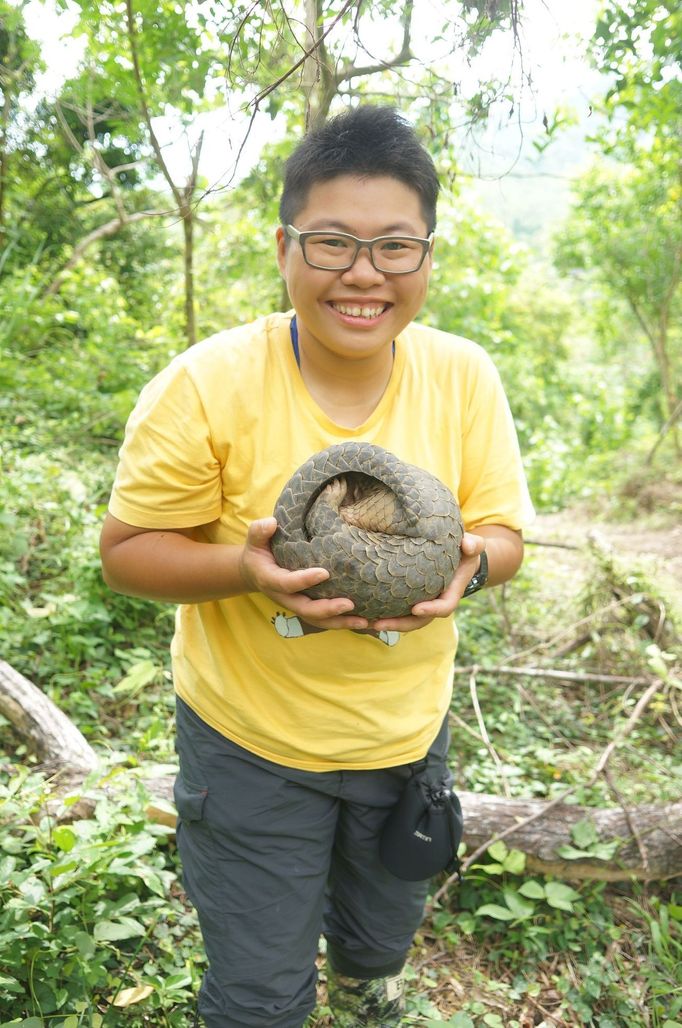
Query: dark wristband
<point x="480" y="578"/>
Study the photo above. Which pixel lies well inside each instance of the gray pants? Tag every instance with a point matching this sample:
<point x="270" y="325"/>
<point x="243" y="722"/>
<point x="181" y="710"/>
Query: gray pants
<point x="273" y="857"/>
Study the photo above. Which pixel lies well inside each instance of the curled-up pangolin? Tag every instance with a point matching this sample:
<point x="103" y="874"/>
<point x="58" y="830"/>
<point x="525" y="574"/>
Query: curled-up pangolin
<point x="387" y="532"/>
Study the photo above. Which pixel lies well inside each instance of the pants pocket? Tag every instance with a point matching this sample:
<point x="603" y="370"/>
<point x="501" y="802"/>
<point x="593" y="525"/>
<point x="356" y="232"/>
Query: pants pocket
<point x="189" y="799"/>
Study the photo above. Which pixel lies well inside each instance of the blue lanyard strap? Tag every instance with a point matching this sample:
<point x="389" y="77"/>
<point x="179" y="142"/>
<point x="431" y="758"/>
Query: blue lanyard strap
<point x="293" y="328"/>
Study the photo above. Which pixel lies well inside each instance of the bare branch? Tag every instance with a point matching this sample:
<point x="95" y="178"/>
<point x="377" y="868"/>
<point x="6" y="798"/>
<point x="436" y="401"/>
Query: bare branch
<point x="405" y="55"/>
<point x="484" y="733"/>
<point x="566" y="676"/>
<point x="258" y="99"/>
<point x="670" y="423"/>
<point x="105" y="231"/>
<point x="132" y="40"/>
<point x="618" y="737"/>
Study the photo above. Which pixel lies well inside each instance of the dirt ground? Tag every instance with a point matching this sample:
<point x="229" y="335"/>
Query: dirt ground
<point x="652" y="543"/>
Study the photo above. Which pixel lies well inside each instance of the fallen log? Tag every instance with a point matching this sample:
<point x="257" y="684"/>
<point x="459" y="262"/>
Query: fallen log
<point x="649" y="836"/>
<point x="51" y="735"/>
<point x="659" y="829"/>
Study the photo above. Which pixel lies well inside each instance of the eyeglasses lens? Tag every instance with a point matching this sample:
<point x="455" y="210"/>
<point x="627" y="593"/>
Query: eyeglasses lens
<point x="336" y="253"/>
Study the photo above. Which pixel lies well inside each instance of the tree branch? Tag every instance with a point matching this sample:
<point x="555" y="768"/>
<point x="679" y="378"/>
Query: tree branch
<point x="132" y="40"/>
<point x="351" y="71"/>
<point x="619" y="736"/>
<point x="68" y="756"/>
<point x="670" y="423"/>
<point x="258" y="99"/>
<point x="566" y="676"/>
<point x="105" y="231"/>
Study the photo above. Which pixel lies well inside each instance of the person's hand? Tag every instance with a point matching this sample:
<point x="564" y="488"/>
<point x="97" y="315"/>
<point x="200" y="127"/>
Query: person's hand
<point x="262" y="573"/>
<point x="442" y="606"/>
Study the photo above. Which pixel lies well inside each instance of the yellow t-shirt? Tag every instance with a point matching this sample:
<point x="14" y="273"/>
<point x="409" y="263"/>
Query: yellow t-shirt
<point x="212" y="441"/>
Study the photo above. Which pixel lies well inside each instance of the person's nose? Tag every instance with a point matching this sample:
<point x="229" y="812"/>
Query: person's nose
<point x="363" y="273"/>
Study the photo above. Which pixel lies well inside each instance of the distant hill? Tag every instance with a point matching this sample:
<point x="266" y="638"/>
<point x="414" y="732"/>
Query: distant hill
<point x="528" y="187"/>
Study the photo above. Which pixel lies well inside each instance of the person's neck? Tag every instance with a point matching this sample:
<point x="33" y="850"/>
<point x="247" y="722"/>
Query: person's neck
<point x="348" y="391"/>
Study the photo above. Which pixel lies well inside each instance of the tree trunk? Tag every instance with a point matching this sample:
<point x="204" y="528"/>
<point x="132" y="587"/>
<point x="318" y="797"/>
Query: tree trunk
<point x="651" y="846"/>
<point x="4" y="161"/>
<point x="190" y="316"/>
<point x="655" y="851"/>
<point x="42" y="725"/>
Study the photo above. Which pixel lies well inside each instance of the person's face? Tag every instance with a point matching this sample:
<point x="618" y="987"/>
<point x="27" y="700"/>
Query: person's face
<point x="357" y="312"/>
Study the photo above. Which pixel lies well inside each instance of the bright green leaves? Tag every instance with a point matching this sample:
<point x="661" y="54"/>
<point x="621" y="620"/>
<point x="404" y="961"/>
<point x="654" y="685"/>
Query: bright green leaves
<point x="518" y="901"/>
<point x="88" y="913"/>
<point x="506" y="861"/>
<point x="518" y="905"/>
<point x="587" y="845"/>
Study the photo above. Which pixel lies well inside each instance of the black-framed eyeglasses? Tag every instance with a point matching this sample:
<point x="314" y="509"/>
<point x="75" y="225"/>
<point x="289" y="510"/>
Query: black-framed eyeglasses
<point x="337" y="251"/>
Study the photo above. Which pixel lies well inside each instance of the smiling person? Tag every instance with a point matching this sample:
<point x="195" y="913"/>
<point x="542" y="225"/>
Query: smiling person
<point x="297" y="720"/>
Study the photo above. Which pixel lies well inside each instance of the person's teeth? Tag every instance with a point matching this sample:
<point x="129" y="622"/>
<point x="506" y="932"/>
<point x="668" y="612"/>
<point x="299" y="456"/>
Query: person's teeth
<point x="358" y="312"/>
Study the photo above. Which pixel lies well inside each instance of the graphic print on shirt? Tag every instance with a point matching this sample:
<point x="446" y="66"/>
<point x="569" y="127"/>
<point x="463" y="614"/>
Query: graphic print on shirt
<point x="291" y="627"/>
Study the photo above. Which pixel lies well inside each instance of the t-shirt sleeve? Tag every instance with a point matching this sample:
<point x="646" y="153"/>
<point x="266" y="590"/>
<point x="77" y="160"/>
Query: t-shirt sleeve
<point x="493" y="488"/>
<point x="168" y="474"/>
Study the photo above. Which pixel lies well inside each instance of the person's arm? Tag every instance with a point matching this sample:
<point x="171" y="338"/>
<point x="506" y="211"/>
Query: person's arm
<point x="504" y="550"/>
<point x="173" y="566"/>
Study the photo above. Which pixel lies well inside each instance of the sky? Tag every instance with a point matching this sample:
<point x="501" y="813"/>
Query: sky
<point x="553" y="36"/>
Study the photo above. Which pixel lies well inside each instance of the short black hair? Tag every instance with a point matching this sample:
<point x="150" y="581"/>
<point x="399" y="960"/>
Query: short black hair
<point x="366" y="141"/>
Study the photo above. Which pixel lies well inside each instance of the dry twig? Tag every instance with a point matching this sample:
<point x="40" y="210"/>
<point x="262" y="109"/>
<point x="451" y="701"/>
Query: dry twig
<point x="484" y="733"/>
<point x="641" y="846"/>
<point x="599" y="768"/>
<point x="556" y="673"/>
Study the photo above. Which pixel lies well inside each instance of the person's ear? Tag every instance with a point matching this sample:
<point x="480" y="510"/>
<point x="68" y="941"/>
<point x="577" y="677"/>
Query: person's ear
<point x="281" y="238"/>
<point x="429" y="256"/>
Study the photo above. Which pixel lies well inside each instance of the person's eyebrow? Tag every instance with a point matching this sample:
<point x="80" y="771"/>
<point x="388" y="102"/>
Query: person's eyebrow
<point x="400" y="227"/>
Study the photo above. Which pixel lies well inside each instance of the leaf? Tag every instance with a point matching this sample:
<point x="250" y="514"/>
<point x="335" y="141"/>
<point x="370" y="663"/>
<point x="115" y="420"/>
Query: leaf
<point x="10" y="984"/>
<point x="39" y="612"/>
<point x="584" y="833"/>
<point x="460" y="1020"/>
<point x="63" y="869"/>
<point x="7" y="865"/>
<point x="111" y="931"/>
<point x="490" y="869"/>
<point x="178" y="981"/>
<point x="519" y="907"/>
<point x="515" y="862"/>
<point x="560" y="896"/>
<point x="126" y="997"/>
<point x="85" y="945"/>
<point x="138" y="676"/>
<point x="498" y="851"/>
<point x="493" y="910"/>
<point x="571" y="853"/>
<point x="532" y="889"/>
<point x="64" y="838"/>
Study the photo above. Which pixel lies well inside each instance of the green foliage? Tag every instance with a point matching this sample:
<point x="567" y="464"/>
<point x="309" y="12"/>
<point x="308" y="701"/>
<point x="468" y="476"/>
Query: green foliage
<point x="548" y="735"/>
<point x="92" y="910"/>
<point x="89" y="912"/>
<point x="625" y="234"/>
<point x="60" y="625"/>
<point x="638" y="47"/>
<point x="522" y="920"/>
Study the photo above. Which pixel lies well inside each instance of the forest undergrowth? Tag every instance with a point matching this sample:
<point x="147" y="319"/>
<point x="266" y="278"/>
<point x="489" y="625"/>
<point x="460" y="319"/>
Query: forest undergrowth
<point x="94" y="925"/>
